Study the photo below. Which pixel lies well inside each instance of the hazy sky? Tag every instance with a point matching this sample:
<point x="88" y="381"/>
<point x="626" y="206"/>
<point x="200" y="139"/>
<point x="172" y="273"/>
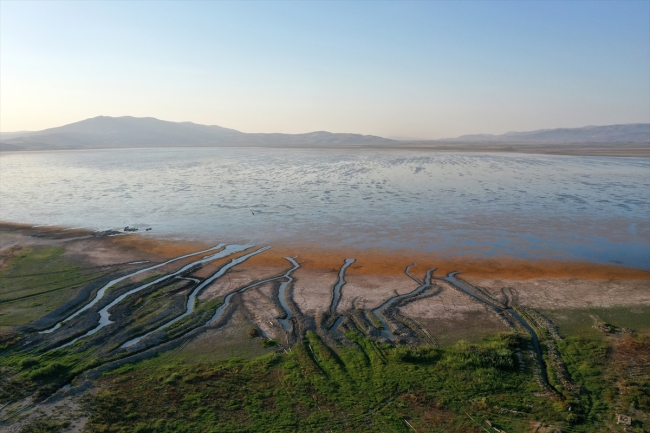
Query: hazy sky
<point x="422" y="69"/>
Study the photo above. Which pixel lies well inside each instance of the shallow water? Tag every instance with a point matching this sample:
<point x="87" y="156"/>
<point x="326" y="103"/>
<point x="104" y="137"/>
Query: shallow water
<point x="336" y="292"/>
<point x="105" y="314"/>
<point x="191" y="300"/>
<point x="379" y="311"/>
<point x="535" y="206"/>
<point x="282" y="296"/>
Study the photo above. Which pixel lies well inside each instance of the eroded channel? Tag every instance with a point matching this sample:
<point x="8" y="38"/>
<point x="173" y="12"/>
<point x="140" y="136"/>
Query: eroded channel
<point x="378" y="312"/>
<point x="451" y="278"/>
<point x="101" y="292"/>
<point x="191" y="300"/>
<point x="226" y="302"/>
<point x="104" y="314"/>
<point x="336" y="295"/>
<point x="282" y="295"/>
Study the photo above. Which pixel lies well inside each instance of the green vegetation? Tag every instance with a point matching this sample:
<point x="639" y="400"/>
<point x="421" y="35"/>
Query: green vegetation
<point x="40" y="375"/>
<point x="598" y="364"/>
<point x="614" y="375"/>
<point x="45" y="425"/>
<point x="580" y="321"/>
<point x="365" y="387"/>
<point x="37" y="280"/>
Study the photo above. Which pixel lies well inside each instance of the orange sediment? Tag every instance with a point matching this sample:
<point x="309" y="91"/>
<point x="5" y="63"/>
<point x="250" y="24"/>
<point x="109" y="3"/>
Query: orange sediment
<point x="386" y="262"/>
<point x="160" y="247"/>
<point x="379" y="261"/>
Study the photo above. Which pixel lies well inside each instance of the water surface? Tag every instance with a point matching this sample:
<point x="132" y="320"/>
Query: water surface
<point x="486" y="204"/>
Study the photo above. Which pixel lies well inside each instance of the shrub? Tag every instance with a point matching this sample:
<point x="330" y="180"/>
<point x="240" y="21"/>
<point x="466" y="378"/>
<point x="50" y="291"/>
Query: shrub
<point x="28" y="363"/>
<point x="49" y="371"/>
<point x="270" y="343"/>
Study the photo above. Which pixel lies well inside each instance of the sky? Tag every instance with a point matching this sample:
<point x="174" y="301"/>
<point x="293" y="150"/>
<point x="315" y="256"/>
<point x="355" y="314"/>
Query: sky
<point x="423" y="70"/>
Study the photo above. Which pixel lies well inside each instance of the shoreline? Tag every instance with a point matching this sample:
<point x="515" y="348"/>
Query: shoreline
<point x="368" y="261"/>
<point x="623" y="150"/>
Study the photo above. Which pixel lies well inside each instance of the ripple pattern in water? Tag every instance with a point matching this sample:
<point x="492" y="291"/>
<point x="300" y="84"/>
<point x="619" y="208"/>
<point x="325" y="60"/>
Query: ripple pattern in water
<point x="592" y="208"/>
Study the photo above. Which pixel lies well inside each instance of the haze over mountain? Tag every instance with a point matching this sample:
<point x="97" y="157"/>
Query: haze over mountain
<point x="122" y="132"/>
<point x="127" y="131"/>
<point x="626" y="133"/>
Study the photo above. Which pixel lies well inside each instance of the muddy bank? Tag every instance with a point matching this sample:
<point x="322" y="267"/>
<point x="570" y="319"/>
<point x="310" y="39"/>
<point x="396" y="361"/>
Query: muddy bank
<point x="134" y="247"/>
<point x="393" y="262"/>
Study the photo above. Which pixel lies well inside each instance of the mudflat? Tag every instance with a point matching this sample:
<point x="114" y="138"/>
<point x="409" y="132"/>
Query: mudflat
<point x="103" y="302"/>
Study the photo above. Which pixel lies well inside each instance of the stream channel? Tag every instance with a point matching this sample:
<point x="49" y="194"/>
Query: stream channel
<point x="336" y="295"/>
<point x="104" y="315"/>
<point x="102" y="291"/>
<point x="386" y="331"/>
<point x="226" y="302"/>
<point x="282" y="296"/>
<point x="451" y="278"/>
<point x="191" y="300"/>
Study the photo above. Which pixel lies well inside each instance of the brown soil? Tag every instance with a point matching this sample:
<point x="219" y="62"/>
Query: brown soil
<point x="312" y="290"/>
<point x="132" y="247"/>
<point x="7" y="254"/>
<point x="237" y="278"/>
<point x="66" y="409"/>
<point x="551" y="293"/>
<point x="158" y="247"/>
<point x="263" y="310"/>
<point x="223" y="342"/>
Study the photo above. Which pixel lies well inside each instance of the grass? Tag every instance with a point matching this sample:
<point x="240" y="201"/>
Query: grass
<point x="313" y="388"/>
<point x="38" y="280"/>
<point x="578" y="322"/>
<point x="369" y="387"/>
<point x="226" y="381"/>
<point x="45" y="425"/>
<point x="364" y="386"/>
<point x="231" y="340"/>
<point x="23" y="373"/>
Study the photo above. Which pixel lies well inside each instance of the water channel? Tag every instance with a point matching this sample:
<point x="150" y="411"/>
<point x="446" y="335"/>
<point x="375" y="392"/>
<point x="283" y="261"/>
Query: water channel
<point x="101" y="292"/>
<point x="378" y="312"/>
<point x="451" y="278"/>
<point x="191" y="300"/>
<point x="104" y="314"/>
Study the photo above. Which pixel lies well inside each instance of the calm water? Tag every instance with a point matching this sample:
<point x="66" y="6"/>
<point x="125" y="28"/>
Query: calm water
<point x="591" y="208"/>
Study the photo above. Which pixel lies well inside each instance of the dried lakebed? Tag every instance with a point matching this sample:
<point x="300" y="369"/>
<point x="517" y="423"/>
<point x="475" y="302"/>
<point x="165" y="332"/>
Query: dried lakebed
<point x="283" y="296"/>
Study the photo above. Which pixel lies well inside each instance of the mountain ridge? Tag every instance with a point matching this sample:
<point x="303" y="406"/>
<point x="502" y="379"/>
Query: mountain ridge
<point x="128" y="131"/>
<point x="618" y="133"/>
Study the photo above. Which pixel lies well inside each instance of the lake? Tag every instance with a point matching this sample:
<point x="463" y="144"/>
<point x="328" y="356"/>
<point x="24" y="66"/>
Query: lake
<point x="480" y="204"/>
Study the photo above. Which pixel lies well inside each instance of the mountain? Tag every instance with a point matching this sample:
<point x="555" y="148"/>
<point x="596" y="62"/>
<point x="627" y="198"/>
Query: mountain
<point x="122" y="132"/>
<point x="127" y="131"/>
<point x="627" y="133"/>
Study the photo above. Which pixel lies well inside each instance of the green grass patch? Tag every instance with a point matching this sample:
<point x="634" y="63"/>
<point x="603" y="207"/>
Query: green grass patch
<point x="371" y="387"/>
<point x="314" y="388"/>
<point x="577" y="322"/>
<point x="36" y="281"/>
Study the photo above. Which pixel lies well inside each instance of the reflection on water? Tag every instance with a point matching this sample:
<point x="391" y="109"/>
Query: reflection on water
<point x="593" y="208"/>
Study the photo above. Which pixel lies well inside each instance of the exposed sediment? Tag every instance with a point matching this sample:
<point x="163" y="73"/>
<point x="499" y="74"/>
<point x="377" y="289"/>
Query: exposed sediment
<point x="500" y="309"/>
<point x="319" y="294"/>
<point x="104" y="313"/>
<point x="102" y="291"/>
<point x="192" y="298"/>
<point x="379" y="312"/>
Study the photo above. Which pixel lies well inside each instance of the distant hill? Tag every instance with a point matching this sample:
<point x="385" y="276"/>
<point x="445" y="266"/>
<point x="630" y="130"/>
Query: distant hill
<point x="127" y="131"/>
<point x="627" y="133"/>
<point x="121" y="132"/>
